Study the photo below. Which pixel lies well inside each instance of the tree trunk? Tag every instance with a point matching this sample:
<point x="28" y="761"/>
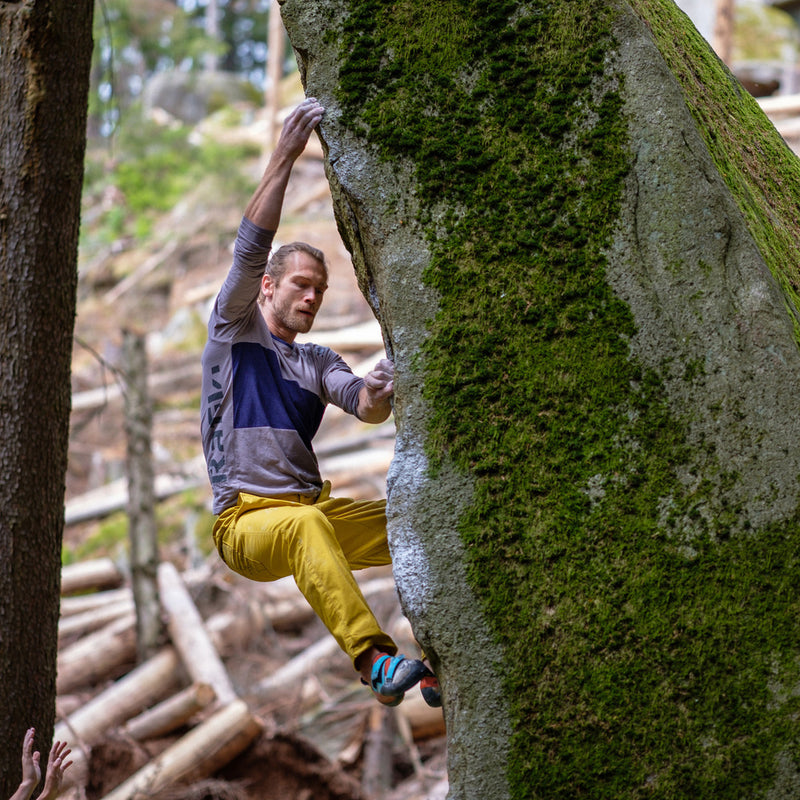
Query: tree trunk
<point x="44" y="64"/>
<point x="580" y="236"/>
<point x="723" y="29"/>
<point x="211" y="25"/>
<point x="275" y="56"/>
<point x="143" y="531"/>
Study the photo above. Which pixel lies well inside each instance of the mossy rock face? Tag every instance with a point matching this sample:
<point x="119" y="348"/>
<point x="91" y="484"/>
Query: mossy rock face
<point x="579" y="234"/>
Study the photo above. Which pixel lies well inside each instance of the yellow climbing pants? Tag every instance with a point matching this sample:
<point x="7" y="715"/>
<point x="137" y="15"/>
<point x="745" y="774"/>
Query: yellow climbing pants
<point x="318" y="541"/>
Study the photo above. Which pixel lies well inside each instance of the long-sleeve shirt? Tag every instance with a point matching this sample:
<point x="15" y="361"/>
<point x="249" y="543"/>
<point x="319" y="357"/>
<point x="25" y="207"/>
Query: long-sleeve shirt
<point x="263" y="398"/>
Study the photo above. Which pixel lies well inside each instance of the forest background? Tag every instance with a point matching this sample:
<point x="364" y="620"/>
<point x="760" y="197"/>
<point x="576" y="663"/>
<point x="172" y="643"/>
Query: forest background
<point x="182" y="116"/>
<point x="184" y="105"/>
<point x="180" y="127"/>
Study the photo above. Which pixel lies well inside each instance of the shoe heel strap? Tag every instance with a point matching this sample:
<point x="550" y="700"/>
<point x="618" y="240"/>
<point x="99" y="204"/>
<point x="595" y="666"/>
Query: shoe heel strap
<point x="378" y="674"/>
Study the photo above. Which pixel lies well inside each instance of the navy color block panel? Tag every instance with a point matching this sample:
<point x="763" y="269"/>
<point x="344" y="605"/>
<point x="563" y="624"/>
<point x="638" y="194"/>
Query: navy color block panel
<point x="263" y="398"/>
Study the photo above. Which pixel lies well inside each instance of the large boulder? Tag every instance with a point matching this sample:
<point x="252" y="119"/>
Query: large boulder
<point x="580" y="236"/>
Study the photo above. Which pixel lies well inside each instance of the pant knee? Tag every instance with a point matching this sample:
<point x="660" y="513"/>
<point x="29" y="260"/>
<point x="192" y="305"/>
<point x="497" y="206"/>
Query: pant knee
<point x="310" y="523"/>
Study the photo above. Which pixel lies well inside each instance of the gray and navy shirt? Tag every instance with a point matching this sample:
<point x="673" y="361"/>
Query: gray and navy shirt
<point x="263" y="398"/>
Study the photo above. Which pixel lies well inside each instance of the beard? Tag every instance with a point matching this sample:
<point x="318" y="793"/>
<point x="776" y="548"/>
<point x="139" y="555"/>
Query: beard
<point x="293" y="318"/>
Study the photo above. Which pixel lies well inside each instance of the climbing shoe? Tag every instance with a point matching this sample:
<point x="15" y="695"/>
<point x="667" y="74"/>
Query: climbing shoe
<point x="386" y="700"/>
<point x="431" y="691"/>
<point x="393" y="676"/>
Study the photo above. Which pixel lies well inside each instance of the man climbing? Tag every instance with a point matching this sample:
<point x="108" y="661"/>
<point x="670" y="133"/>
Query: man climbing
<point x="263" y="399"/>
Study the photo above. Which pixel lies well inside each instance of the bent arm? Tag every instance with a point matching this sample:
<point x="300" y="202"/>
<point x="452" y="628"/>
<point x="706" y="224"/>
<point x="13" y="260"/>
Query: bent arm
<point x="239" y="292"/>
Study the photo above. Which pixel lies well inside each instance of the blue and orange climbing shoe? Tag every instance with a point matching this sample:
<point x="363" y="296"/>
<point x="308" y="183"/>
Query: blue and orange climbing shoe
<point x="431" y="691"/>
<point x="393" y="676"/>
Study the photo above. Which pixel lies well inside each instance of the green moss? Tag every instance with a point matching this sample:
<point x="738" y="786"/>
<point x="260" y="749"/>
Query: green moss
<point x="639" y="636"/>
<point x="109" y="538"/>
<point x="762" y="173"/>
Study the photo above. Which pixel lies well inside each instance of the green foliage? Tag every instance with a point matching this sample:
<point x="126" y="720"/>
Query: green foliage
<point x="160" y="167"/>
<point x="108" y="539"/>
<point x="763" y="33"/>
<point x="640" y="661"/>
<point x="134" y="40"/>
<point x="157" y="33"/>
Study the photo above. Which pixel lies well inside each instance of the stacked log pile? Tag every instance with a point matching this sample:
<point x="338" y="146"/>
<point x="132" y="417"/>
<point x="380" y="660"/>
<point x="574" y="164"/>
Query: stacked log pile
<point x="249" y="697"/>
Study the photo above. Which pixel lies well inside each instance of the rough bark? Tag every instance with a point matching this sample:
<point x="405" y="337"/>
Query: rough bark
<point x="45" y="50"/>
<point x="579" y="235"/>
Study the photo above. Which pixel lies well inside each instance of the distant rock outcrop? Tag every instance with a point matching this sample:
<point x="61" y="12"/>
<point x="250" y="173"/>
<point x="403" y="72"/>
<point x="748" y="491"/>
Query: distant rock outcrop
<point x="580" y="235"/>
<point x="191" y="96"/>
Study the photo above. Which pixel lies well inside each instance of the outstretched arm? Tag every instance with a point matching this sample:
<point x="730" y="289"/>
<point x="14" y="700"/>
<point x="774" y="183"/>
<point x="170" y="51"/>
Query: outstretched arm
<point x="57" y="765"/>
<point x="375" y="397"/>
<point x="31" y="772"/>
<point x="264" y="208"/>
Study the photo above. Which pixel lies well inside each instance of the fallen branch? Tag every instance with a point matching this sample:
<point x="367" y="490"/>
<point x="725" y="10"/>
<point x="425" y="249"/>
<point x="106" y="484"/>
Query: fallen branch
<point x="200" y="753"/>
<point x="377" y="773"/>
<point x="230" y="631"/>
<point x="113" y="496"/>
<point x="103" y="395"/>
<point x="171" y="713"/>
<point x="97" y="656"/>
<point x="100" y="573"/>
<point x="84" y="603"/>
<point x="88" y="621"/>
<point x="781" y="104"/>
<point x="790" y="128"/>
<point x="425" y="722"/>
<point x="290" y="674"/>
<point x="285" y="607"/>
<point x="189" y="635"/>
<point x="141" y="687"/>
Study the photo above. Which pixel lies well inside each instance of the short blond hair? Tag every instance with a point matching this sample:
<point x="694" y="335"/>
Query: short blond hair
<point x="279" y="261"/>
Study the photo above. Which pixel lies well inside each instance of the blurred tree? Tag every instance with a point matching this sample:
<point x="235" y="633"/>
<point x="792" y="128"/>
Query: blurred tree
<point x="242" y="27"/>
<point x="44" y="60"/>
<point x="723" y="29"/>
